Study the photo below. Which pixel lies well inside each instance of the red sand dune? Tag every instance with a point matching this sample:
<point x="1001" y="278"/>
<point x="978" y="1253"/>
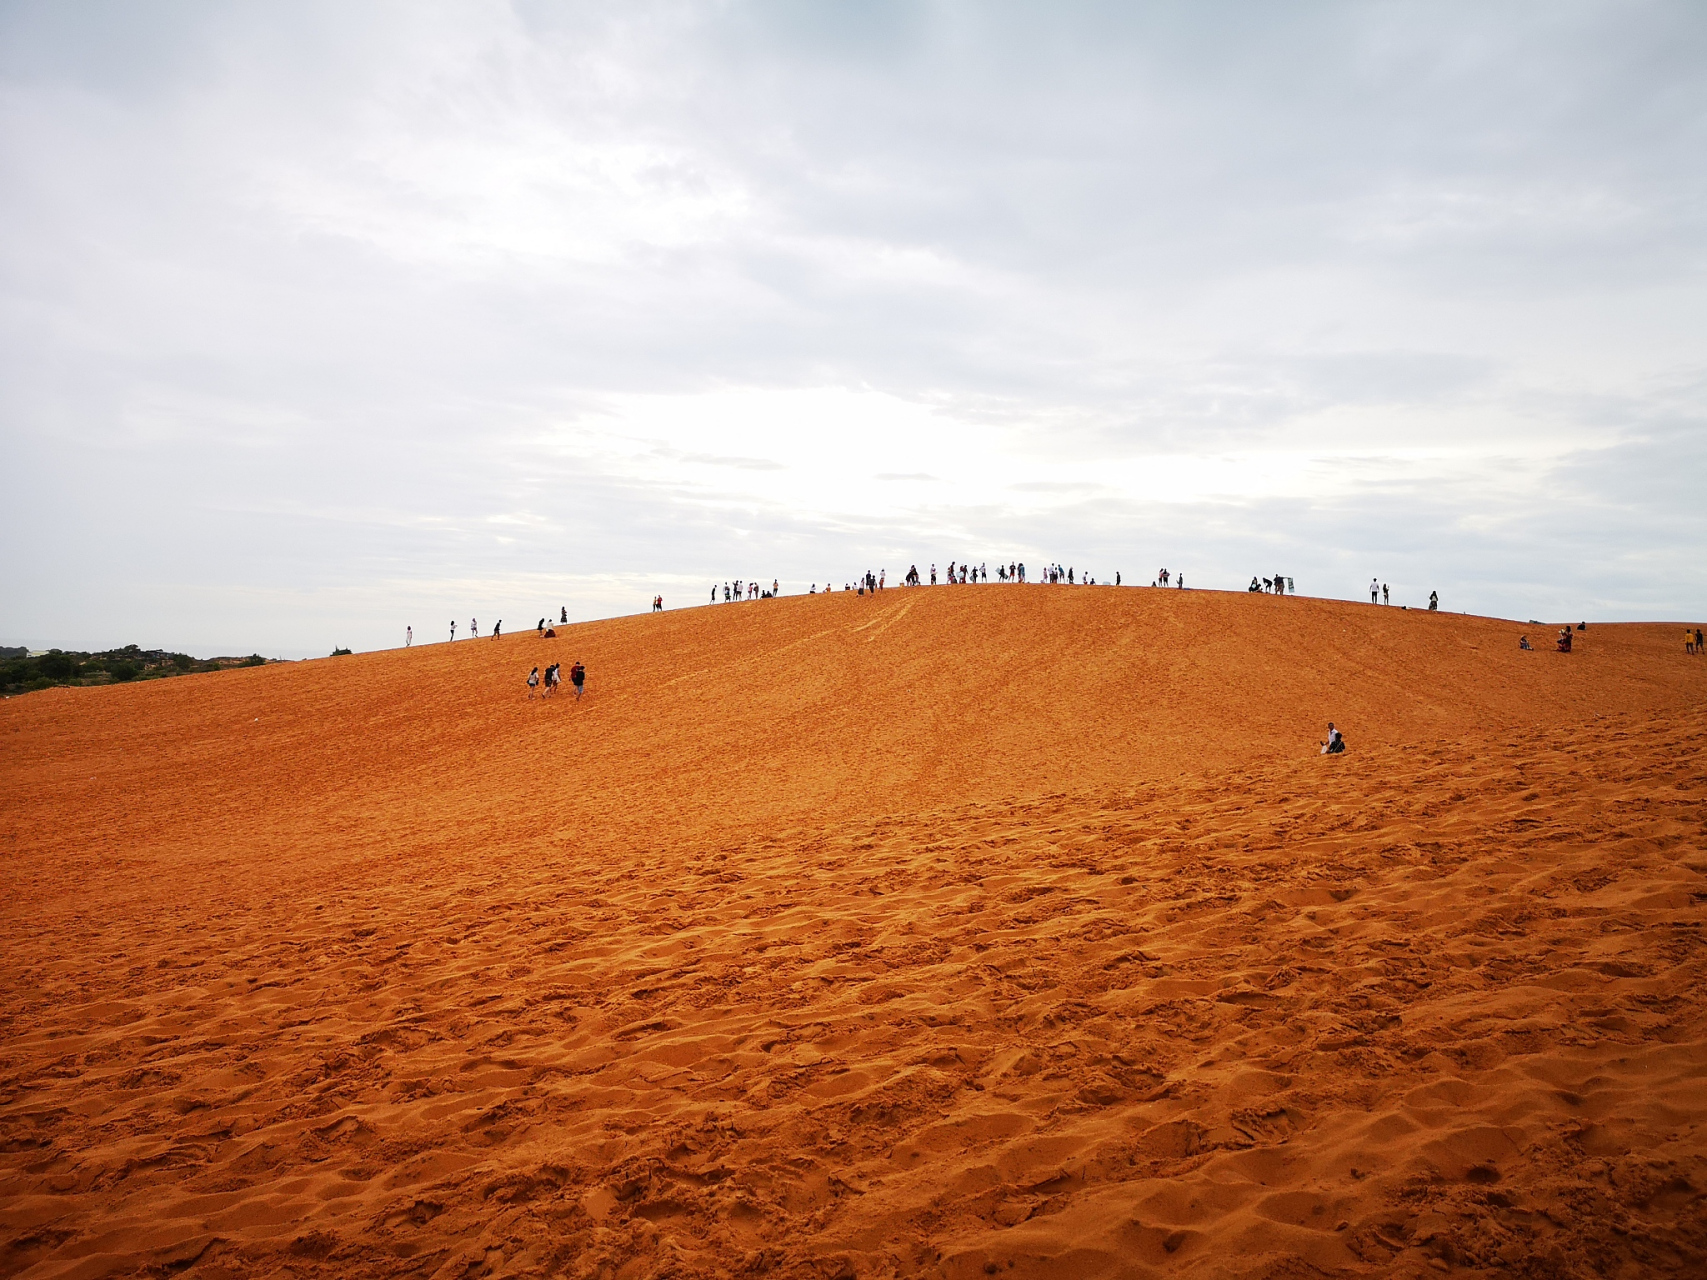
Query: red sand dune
<point x="1012" y="931"/>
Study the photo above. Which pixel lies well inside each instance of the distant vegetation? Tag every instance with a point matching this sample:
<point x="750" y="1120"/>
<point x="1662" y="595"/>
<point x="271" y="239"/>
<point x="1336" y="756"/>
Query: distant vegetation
<point x="20" y="673"/>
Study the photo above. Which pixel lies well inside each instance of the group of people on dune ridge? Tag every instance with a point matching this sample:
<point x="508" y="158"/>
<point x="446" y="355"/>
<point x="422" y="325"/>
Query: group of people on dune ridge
<point x="1380" y="593"/>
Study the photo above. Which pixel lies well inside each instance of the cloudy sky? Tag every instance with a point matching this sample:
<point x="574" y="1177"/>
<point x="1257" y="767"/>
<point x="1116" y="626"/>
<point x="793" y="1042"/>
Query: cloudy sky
<point x="321" y="320"/>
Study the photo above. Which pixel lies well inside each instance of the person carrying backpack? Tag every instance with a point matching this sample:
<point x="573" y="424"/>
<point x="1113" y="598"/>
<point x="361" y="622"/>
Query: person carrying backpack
<point x="578" y="678"/>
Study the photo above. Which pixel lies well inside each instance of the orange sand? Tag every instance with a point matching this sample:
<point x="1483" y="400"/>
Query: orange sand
<point x="1010" y="931"/>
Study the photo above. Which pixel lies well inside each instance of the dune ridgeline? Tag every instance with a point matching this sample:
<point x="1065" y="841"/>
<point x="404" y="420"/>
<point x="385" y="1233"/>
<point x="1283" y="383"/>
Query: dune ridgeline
<point x="1013" y="931"/>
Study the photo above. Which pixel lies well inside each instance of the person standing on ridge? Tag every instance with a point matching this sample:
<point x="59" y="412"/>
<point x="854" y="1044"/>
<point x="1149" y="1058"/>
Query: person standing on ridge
<point x="1433" y="601"/>
<point x="564" y="619"/>
<point x="408" y="636"/>
<point x="1374" y="591"/>
<point x="498" y="630"/>
<point x="1385" y="598"/>
<point x="474" y="628"/>
<point x="453" y="630"/>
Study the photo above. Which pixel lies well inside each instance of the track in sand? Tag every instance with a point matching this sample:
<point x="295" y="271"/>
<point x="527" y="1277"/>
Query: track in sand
<point x="1012" y="931"/>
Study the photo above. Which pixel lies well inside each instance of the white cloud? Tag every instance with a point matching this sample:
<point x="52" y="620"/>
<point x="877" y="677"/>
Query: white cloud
<point x="349" y="314"/>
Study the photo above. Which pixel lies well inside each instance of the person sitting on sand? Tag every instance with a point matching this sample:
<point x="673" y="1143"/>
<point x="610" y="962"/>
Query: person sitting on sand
<point x="533" y="681"/>
<point x="578" y="678"/>
<point x="1564" y="645"/>
<point x="1335" y="743"/>
<point x="1523" y="643"/>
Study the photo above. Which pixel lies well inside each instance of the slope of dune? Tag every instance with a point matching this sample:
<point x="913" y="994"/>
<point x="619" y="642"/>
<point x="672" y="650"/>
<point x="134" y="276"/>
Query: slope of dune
<point x="954" y="932"/>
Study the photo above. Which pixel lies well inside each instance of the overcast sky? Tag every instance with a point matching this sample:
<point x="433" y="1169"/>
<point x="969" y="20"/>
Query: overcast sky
<point x="317" y="321"/>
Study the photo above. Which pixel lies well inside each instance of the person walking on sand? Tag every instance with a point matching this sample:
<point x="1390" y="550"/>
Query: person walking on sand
<point x="498" y="630"/>
<point x="578" y="678"/>
<point x="553" y="678"/>
<point x="1335" y="743"/>
<point x="453" y="630"/>
<point x="1697" y="642"/>
<point x="1688" y="640"/>
<point x="533" y="681"/>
